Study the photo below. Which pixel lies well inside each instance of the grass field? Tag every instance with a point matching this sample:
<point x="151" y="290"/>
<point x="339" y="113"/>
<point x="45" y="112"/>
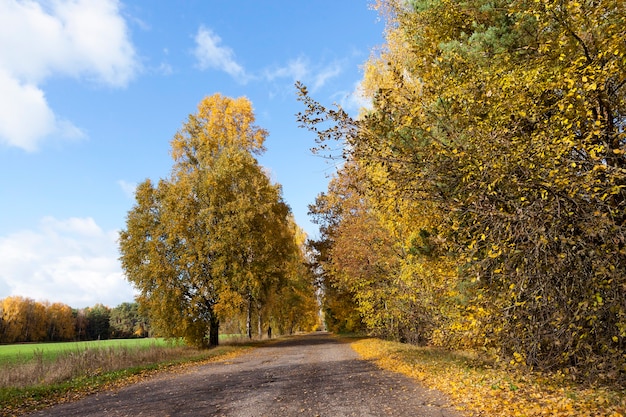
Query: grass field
<point x="39" y="374"/>
<point x="25" y="352"/>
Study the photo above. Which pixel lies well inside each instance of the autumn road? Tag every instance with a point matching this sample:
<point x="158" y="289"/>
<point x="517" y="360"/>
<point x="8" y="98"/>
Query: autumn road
<point x="310" y="375"/>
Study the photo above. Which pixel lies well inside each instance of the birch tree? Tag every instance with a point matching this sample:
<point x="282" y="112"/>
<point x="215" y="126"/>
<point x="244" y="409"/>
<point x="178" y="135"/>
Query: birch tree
<point x="213" y="236"/>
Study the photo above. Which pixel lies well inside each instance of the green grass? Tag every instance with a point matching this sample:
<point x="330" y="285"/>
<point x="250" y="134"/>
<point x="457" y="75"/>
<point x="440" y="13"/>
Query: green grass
<point x="19" y="400"/>
<point x="25" y="352"/>
<point x="35" y="375"/>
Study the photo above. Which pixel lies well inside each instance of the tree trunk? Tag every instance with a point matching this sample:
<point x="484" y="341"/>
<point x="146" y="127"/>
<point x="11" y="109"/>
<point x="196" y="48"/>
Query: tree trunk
<point x="214" y="331"/>
<point x="249" y="318"/>
<point x="259" y="321"/>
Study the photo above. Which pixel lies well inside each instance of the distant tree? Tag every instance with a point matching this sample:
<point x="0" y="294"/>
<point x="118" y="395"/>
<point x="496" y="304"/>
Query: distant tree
<point x="293" y="305"/>
<point x="24" y="320"/>
<point x="3" y="324"/>
<point x="98" y="322"/>
<point x="126" y="321"/>
<point x="80" y="323"/>
<point x="61" y="324"/>
<point x="338" y="301"/>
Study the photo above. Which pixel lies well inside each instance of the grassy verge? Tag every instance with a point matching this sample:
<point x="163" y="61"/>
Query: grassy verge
<point x="480" y="389"/>
<point x="35" y="384"/>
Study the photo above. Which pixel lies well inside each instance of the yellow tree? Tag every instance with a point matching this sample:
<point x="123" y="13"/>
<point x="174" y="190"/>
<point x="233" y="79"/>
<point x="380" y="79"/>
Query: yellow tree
<point x="294" y="305"/>
<point x="339" y="306"/>
<point x="61" y="326"/>
<point x="509" y="116"/>
<point x="217" y="227"/>
<point x="253" y="242"/>
<point x="504" y="120"/>
<point x="380" y="252"/>
<point x="24" y="320"/>
<point x="363" y="260"/>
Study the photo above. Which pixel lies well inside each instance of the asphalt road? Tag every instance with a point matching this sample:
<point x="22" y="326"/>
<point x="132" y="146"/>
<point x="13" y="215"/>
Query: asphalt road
<point x="309" y="375"/>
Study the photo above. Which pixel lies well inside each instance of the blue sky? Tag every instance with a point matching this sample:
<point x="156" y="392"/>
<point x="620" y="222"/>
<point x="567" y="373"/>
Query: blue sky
<point x="92" y="92"/>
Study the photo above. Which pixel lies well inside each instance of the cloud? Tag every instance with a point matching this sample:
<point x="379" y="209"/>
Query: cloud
<point x="128" y="188"/>
<point x="210" y="54"/>
<point x="25" y="117"/>
<point x="75" y="38"/>
<point x="325" y="74"/>
<point x="296" y="69"/>
<point x="164" y="69"/>
<point x="72" y="261"/>
<point x="355" y="101"/>
<point x="301" y="69"/>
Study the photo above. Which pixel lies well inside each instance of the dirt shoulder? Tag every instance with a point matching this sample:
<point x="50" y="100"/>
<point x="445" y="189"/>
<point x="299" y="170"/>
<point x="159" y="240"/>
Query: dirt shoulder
<point x="309" y="375"/>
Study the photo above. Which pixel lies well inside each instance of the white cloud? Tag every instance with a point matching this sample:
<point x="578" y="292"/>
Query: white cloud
<point x="72" y="261"/>
<point x="164" y="69"/>
<point x="301" y="69"/>
<point x="296" y="69"/>
<point x="324" y="74"/>
<point x="355" y="101"/>
<point x="75" y="38"/>
<point x="210" y="54"/>
<point x="25" y="117"/>
<point x="128" y="188"/>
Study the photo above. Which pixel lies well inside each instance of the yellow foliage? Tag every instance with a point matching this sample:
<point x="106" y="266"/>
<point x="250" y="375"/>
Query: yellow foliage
<point x="215" y="239"/>
<point x="492" y="162"/>
<point x="482" y="389"/>
<point x="220" y="122"/>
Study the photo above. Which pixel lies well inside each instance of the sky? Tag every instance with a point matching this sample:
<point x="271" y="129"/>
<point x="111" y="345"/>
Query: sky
<point x="92" y="92"/>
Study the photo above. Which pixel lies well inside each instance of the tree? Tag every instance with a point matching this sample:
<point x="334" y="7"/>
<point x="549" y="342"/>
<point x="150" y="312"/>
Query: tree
<point x="214" y="232"/>
<point x="24" y="320"/>
<point x="126" y="321"/>
<point x="61" y="326"/>
<point x="98" y="322"/>
<point x="165" y="257"/>
<point x="374" y="257"/>
<point x="525" y="107"/>
<point x="80" y="323"/>
<point x="504" y="121"/>
<point x="253" y="240"/>
<point x="339" y="303"/>
<point x="293" y="305"/>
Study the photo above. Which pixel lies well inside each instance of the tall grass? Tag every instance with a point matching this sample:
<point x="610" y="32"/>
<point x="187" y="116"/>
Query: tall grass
<point x="42" y="379"/>
<point x="66" y="365"/>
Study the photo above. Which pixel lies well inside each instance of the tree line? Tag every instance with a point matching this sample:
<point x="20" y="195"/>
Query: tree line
<point x="26" y="320"/>
<point x="481" y="203"/>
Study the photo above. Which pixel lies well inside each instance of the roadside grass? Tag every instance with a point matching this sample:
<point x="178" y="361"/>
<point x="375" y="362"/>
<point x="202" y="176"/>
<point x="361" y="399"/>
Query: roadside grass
<point x="74" y="373"/>
<point x="482" y="389"/>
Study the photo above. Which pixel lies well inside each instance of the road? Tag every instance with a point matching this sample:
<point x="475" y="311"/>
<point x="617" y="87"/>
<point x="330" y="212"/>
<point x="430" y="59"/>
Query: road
<point x="309" y="375"/>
